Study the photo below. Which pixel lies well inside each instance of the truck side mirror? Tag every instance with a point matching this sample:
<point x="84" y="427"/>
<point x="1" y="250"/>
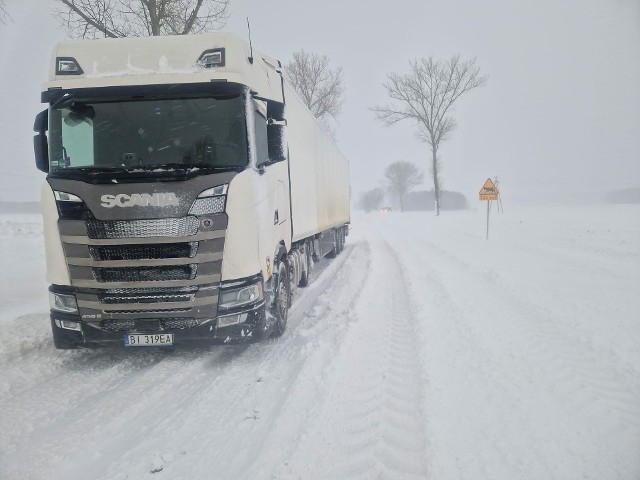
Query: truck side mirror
<point x="40" y="143"/>
<point x="41" y="150"/>
<point x="276" y="136"/>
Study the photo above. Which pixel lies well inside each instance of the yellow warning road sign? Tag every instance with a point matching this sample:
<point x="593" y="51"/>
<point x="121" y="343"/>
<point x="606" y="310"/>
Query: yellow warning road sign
<point x="489" y="191"/>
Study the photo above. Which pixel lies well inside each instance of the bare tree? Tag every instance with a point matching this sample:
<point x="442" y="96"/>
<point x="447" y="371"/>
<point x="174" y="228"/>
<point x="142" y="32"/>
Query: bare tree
<point x="319" y="86"/>
<point x="4" y="13"/>
<point x="371" y="199"/>
<point x="140" y="18"/>
<point x="426" y="95"/>
<point x="400" y="178"/>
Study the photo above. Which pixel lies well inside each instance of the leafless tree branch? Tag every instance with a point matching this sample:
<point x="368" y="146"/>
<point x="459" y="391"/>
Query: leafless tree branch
<point x="139" y="18"/>
<point x="319" y="86"/>
<point x="4" y="13"/>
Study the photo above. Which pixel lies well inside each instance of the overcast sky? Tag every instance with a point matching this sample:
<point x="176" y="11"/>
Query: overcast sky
<point x="560" y="114"/>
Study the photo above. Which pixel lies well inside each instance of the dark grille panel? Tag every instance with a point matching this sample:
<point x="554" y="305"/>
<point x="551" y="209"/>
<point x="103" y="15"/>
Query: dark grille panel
<point x="73" y="211"/>
<point x="146" y="325"/>
<point x="163" y="227"/>
<point x="117" y="325"/>
<point x="155" y="310"/>
<point x="180" y="297"/>
<point x="179" y="323"/>
<point x="145" y="274"/>
<point x="166" y="290"/>
<point x="142" y="252"/>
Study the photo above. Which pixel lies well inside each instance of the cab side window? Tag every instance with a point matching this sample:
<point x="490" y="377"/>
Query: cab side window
<point x="262" y="143"/>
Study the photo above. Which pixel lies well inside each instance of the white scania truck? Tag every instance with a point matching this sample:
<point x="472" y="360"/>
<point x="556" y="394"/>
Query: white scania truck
<point x="188" y="192"/>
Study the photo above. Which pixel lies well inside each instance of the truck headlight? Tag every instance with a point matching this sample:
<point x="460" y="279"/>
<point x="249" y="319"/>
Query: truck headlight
<point x="238" y="297"/>
<point x="63" y="303"/>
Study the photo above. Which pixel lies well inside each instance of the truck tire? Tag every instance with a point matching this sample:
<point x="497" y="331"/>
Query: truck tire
<point x="340" y="234"/>
<point x="334" y="251"/>
<point x="281" y="300"/>
<point x="305" y="279"/>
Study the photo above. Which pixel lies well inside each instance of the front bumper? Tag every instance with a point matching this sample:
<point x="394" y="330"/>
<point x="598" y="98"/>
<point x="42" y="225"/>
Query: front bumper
<point x="254" y="329"/>
<point x="103" y="318"/>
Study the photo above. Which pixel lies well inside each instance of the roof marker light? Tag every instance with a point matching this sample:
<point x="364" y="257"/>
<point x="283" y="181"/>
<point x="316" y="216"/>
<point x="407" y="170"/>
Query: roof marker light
<point x="68" y="66"/>
<point x="212" y="58"/>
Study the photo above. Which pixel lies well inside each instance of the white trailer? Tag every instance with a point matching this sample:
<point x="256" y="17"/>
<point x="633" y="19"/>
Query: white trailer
<point x="188" y="192"/>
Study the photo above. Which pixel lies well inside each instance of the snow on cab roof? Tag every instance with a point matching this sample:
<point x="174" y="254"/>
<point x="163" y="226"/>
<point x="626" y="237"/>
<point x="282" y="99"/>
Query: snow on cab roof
<point x="163" y="60"/>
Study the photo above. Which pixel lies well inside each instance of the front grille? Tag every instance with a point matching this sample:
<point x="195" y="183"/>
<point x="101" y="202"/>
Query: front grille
<point x="207" y="206"/>
<point x="179" y="297"/>
<point x="165" y="290"/>
<point x="163" y="227"/>
<point x="155" y="310"/>
<point x="119" y="325"/>
<point x="179" y="323"/>
<point x="145" y="274"/>
<point x="143" y="252"/>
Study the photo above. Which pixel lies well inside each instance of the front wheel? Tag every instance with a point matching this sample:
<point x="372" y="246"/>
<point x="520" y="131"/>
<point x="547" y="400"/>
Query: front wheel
<point x="281" y="301"/>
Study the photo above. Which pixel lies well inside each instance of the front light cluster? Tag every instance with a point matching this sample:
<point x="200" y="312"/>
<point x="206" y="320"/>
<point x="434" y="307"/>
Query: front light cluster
<point x="211" y="201"/>
<point x="66" y="197"/>
<point x="238" y="297"/>
<point x="61" y="302"/>
<point x="229" y="320"/>
<point x="69" y="325"/>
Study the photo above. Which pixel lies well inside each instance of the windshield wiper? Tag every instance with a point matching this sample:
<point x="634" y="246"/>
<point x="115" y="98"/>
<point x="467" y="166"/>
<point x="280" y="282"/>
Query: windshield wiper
<point x="168" y="167"/>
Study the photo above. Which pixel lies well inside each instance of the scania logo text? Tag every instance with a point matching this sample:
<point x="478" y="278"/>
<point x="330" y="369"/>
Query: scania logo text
<point x="139" y="200"/>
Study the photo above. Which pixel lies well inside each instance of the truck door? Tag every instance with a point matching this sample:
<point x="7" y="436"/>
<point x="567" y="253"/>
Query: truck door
<point x="275" y="214"/>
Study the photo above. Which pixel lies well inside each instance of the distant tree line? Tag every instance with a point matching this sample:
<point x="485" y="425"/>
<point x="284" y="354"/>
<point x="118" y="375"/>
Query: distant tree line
<point x="396" y="190"/>
<point x="628" y="196"/>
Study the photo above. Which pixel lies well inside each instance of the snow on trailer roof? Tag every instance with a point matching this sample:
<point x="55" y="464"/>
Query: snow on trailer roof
<point x="162" y="60"/>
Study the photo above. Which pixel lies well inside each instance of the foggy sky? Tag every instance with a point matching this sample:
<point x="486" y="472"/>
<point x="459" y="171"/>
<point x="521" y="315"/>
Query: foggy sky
<point x="559" y="117"/>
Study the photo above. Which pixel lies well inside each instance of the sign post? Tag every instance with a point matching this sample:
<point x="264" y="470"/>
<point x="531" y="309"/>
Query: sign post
<point x="489" y="192"/>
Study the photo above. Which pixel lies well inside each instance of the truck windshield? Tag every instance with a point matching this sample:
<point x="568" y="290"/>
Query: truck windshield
<point x="189" y="132"/>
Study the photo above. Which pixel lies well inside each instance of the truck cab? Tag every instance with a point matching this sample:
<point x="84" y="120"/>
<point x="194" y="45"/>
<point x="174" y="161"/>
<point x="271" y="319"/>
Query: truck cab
<point x="167" y="202"/>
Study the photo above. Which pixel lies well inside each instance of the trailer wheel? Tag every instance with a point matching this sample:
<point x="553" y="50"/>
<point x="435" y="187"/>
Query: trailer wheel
<point x="334" y="251"/>
<point x="281" y="300"/>
<point x="305" y="280"/>
<point x="338" y="244"/>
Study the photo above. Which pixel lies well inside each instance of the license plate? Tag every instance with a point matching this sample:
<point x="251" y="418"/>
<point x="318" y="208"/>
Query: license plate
<point x="142" y="340"/>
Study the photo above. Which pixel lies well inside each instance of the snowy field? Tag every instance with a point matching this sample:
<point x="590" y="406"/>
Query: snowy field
<point x="421" y="351"/>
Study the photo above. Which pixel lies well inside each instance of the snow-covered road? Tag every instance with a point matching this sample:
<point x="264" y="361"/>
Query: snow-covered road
<point x="421" y="351"/>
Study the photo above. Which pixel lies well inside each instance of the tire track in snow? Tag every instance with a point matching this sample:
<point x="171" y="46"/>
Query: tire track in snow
<point x="371" y="423"/>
